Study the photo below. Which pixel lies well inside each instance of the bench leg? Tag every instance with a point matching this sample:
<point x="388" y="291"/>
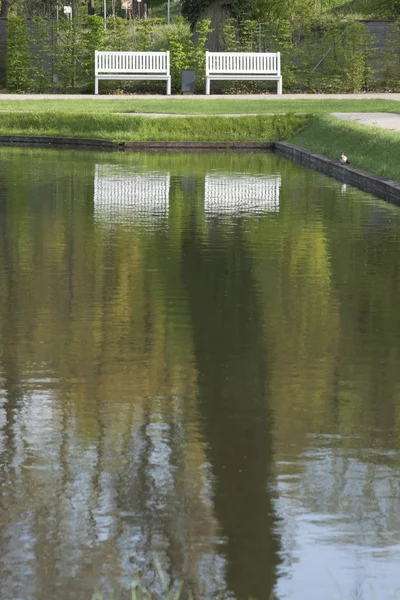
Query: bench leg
<point x="280" y="87"/>
<point x="169" y="86"/>
<point x="96" y="86"/>
<point x="207" y="86"/>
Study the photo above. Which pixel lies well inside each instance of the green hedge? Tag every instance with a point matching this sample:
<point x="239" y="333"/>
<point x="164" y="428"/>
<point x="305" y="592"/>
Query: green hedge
<point x="321" y="56"/>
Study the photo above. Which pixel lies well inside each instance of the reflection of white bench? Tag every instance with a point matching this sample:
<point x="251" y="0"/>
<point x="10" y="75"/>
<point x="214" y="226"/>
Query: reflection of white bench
<point x="241" y="194"/>
<point x="132" y="65"/>
<point x="243" y="65"/>
<point x="121" y="196"/>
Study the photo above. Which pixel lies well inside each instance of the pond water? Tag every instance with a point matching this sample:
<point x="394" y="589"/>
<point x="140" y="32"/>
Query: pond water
<point x="199" y="370"/>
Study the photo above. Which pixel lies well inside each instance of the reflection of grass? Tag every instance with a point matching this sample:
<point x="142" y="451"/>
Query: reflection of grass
<point x="375" y="150"/>
<point x="171" y="592"/>
<point x="126" y="128"/>
<point x="138" y="591"/>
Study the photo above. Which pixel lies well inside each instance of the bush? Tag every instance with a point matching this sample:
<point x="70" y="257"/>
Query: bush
<point x="198" y="57"/>
<point x="185" y="54"/>
<point x="180" y="47"/>
<point x="391" y="59"/>
<point x="117" y="37"/>
<point x="354" y="58"/>
<point x="230" y="35"/>
<point x="18" y="55"/>
<point x="68" y="52"/>
<point x="332" y="57"/>
<point x="40" y="38"/>
<point x="93" y="38"/>
<point x="320" y="56"/>
<point x="252" y="36"/>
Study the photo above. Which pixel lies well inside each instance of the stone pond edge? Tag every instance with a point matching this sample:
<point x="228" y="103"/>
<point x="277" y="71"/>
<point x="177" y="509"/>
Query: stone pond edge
<point x="384" y="188"/>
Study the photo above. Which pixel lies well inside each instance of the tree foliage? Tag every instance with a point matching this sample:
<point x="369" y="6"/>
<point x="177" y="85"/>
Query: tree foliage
<point x="387" y="8"/>
<point x="187" y="54"/>
<point x="193" y="9"/>
<point x="261" y="10"/>
<point x="18" y="58"/>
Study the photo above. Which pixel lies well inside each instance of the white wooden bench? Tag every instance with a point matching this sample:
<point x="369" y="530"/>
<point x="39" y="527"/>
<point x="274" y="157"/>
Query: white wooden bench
<point x="132" y="65"/>
<point x="243" y="65"/>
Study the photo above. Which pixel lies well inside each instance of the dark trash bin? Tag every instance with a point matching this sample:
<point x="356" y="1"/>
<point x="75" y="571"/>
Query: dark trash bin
<point x="188" y="80"/>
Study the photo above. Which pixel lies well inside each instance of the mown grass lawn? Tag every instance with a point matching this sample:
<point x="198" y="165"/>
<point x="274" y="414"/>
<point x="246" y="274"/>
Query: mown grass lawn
<point x="306" y="123"/>
<point x="370" y="148"/>
<point x="217" y="106"/>
<point x="131" y="128"/>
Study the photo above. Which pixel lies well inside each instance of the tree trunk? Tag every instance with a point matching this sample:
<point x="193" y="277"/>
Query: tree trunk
<point x="74" y="4"/>
<point x="217" y="12"/>
<point x="4" y="8"/>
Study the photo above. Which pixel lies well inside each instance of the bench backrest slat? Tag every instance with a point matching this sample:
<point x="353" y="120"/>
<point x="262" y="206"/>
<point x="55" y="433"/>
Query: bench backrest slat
<point x="243" y="62"/>
<point x="132" y="62"/>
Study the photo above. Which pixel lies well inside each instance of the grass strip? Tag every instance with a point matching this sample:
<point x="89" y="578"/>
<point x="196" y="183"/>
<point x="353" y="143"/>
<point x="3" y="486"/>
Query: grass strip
<point x="125" y="128"/>
<point x="375" y="150"/>
<point x="217" y="106"/>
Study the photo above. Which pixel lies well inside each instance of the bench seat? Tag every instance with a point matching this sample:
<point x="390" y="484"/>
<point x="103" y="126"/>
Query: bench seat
<point x="232" y="66"/>
<point x="132" y="65"/>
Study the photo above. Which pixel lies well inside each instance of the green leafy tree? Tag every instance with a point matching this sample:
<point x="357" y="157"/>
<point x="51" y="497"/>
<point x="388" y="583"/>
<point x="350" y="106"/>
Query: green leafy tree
<point x="40" y="39"/>
<point x="230" y="36"/>
<point x="93" y="38"/>
<point x="5" y="6"/>
<point x="193" y="9"/>
<point x="355" y="58"/>
<point x="248" y="36"/>
<point x="180" y="48"/>
<point x="37" y="8"/>
<point x="387" y="8"/>
<point x="261" y="10"/>
<point x="392" y="58"/>
<point x="18" y="55"/>
<point x="117" y="34"/>
<point x="144" y="34"/>
<point x="69" y="51"/>
<point x="202" y="32"/>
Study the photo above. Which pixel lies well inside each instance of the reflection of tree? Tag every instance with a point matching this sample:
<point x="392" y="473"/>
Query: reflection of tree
<point x="233" y="372"/>
<point x="300" y="321"/>
<point x="101" y="443"/>
<point x="141" y="363"/>
<point x="329" y="293"/>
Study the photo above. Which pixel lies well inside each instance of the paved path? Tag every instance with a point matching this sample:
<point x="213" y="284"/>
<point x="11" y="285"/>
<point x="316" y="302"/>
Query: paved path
<point x="265" y="97"/>
<point x="389" y="121"/>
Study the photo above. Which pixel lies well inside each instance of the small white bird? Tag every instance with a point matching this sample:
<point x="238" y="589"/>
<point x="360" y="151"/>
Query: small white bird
<point x="343" y="159"/>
